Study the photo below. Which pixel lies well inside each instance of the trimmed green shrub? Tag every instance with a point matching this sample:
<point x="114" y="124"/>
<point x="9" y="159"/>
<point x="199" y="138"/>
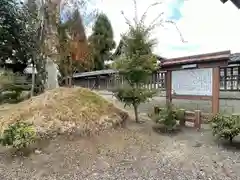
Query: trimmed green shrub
<point x="180" y="115"/>
<point x="18" y="135"/>
<point x="226" y="127"/>
<point x="133" y="96"/>
<point x="166" y="118"/>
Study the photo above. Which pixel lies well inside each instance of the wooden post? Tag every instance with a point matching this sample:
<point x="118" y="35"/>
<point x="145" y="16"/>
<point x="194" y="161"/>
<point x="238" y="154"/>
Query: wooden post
<point x="168" y="82"/>
<point x="33" y="79"/>
<point x="88" y="83"/>
<point x="107" y="79"/>
<point x="156" y="109"/>
<point x="197" y="121"/>
<point x="68" y="81"/>
<point x="155" y="80"/>
<point x="215" y="90"/>
<point x="98" y="82"/>
<point x="182" y="118"/>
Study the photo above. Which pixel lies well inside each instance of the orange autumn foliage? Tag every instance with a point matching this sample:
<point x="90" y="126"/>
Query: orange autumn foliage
<point x="81" y="53"/>
<point x="80" y="50"/>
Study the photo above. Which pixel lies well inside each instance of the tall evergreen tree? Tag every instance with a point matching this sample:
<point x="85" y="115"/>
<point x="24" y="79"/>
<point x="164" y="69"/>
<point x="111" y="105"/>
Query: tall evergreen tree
<point x="102" y="41"/>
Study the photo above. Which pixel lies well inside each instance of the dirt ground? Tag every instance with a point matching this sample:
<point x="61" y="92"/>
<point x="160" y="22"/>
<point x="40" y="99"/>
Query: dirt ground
<point x="135" y="152"/>
<point x="4" y="107"/>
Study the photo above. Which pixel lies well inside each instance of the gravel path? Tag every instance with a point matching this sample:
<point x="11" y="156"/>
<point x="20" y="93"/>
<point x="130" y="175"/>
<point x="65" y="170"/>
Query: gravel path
<point x="132" y="153"/>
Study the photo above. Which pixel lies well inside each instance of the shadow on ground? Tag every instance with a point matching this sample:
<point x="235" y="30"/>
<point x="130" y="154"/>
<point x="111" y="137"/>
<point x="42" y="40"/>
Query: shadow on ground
<point x="233" y="146"/>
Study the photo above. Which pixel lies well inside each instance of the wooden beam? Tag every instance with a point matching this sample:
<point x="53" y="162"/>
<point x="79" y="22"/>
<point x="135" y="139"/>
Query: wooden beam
<point x="215" y="90"/>
<point x="168" y="82"/>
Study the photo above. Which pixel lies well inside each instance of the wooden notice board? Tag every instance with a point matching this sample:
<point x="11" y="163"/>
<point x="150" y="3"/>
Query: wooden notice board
<point x="195" y="77"/>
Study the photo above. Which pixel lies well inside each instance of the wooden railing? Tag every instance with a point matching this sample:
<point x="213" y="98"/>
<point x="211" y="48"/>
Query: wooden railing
<point x="229" y="80"/>
<point x="196" y="117"/>
<point x="155" y="81"/>
<point x="18" y="81"/>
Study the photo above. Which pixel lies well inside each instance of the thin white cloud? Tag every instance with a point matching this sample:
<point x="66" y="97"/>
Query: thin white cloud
<point x="212" y="25"/>
<point x="113" y="10"/>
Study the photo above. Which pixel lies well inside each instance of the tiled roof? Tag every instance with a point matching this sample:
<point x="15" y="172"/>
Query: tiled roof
<point x="235" y="57"/>
<point x="94" y="73"/>
<point x="197" y="58"/>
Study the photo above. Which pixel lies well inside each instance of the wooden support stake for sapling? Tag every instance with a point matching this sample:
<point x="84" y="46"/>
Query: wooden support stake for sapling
<point x="197" y="120"/>
<point x="182" y="119"/>
<point x="156" y="110"/>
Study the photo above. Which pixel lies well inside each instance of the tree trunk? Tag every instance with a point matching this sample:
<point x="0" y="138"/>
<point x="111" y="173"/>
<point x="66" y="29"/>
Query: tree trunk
<point x="136" y="113"/>
<point x="71" y="73"/>
<point x="66" y="75"/>
<point x="66" y="81"/>
<point x="69" y="81"/>
<point x="33" y="80"/>
<point x="231" y="139"/>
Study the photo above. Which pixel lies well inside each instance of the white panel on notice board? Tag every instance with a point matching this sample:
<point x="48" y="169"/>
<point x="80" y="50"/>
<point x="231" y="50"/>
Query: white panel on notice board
<point x="196" y="82"/>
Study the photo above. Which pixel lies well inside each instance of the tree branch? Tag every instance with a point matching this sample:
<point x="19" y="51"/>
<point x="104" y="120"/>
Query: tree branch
<point x="135" y="19"/>
<point x="146" y="11"/>
<point x="174" y="24"/>
<point x="158" y="21"/>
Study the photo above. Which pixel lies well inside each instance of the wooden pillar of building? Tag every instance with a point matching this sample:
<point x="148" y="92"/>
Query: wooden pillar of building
<point x="168" y="82"/>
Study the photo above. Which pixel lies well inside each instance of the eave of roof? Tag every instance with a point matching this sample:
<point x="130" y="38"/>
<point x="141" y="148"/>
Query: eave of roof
<point x="197" y="58"/>
<point x="234" y="58"/>
<point x="94" y="73"/>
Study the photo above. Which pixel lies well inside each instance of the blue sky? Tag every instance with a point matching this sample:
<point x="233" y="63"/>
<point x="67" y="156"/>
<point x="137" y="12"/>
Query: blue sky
<point x="175" y="9"/>
<point x="206" y="25"/>
<point x="87" y="17"/>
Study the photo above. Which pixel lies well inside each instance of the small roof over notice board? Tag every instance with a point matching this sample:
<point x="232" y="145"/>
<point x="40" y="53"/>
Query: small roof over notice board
<point x="209" y="58"/>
